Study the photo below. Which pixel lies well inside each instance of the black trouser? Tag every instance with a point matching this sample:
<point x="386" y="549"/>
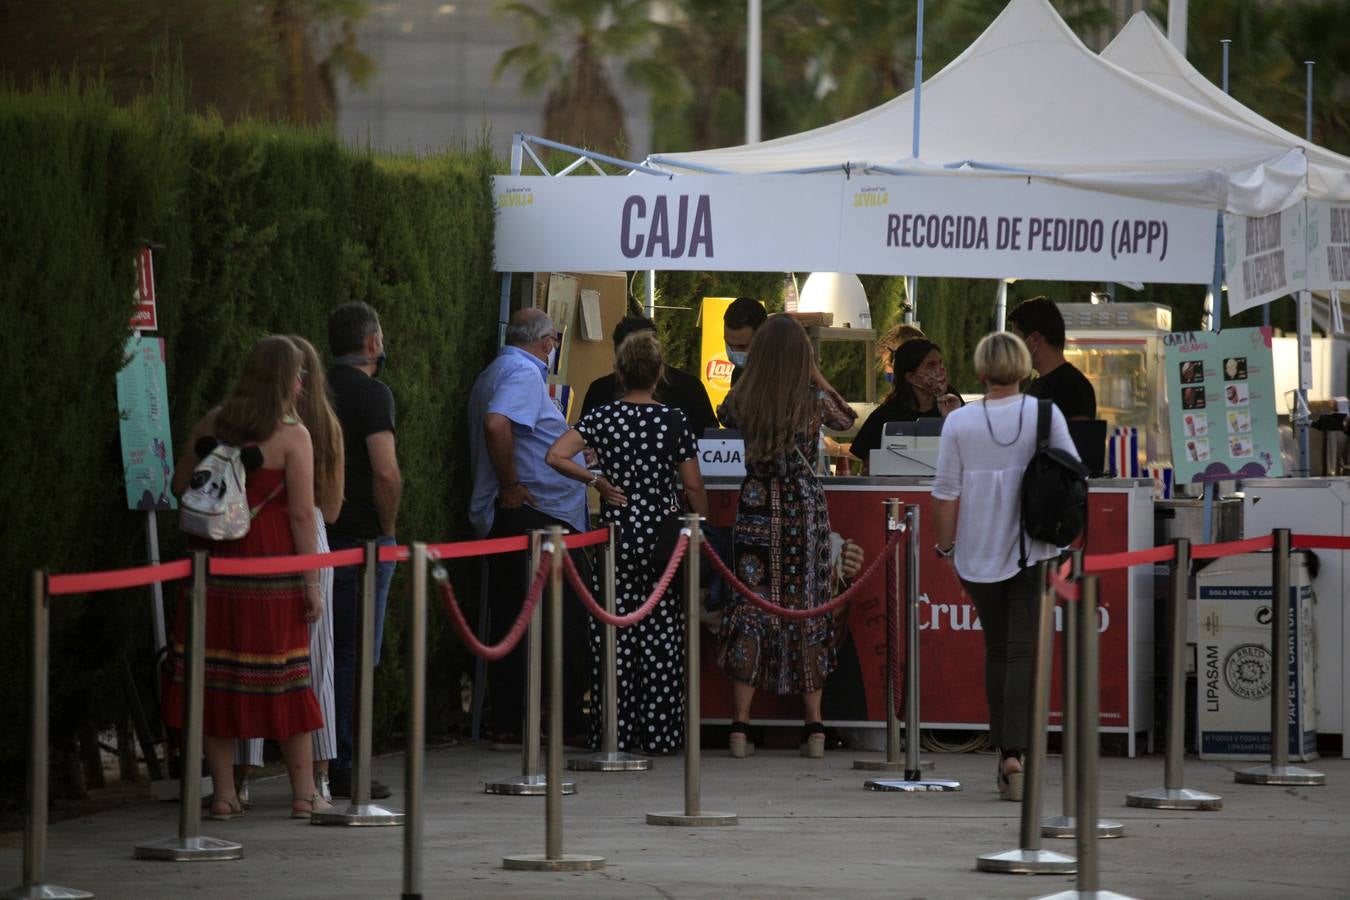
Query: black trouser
<point x="1008" y="616"/>
<point x="508" y="582"/>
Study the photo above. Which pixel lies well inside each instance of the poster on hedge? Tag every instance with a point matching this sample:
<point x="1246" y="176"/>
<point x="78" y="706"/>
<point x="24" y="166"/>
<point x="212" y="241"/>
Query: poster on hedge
<point x="143" y="419"/>
<point x="1221" y="404"/>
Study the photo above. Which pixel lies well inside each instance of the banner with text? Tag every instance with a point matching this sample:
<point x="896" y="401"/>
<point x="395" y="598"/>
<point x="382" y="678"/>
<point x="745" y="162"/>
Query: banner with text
<point x="1303" y="248"/>
<point x="933" y="225"/>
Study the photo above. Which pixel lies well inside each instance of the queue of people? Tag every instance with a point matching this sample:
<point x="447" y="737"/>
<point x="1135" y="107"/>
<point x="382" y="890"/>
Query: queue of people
<point x="325" y="474"/>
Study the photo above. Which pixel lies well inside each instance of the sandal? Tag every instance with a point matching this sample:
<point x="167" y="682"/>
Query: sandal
<point x="813" y="740"/>
<point x="1011" y="782"/>
<point x="303" y="809"/>
<point x="224" y="810"/>
<point x="739" y="740"/>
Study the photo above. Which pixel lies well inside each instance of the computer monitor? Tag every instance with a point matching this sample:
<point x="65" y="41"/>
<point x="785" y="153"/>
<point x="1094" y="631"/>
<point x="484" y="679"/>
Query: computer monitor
<point x="1089" y="438"/>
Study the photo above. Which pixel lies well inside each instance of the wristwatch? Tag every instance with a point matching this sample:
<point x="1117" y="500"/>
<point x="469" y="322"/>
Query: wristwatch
<point x="944" y="553"/>
<point x="594" y="480"/>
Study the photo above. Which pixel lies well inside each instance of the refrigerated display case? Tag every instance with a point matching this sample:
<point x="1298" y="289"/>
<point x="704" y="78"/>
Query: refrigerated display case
<point x="1119" y="347"/>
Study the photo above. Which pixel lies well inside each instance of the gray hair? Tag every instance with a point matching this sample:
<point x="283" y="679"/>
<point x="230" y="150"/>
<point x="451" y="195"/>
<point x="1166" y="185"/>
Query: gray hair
<point x="523" y="330"/>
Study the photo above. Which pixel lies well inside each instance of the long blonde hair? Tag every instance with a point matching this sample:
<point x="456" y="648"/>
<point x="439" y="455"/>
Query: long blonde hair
<point x="316" y="411"/>
<point x="773" y="401"/>
<point x="264" y="393"/>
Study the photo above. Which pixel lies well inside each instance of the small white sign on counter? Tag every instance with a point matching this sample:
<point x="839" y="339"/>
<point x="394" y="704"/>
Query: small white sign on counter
<point x="721" y="456"/>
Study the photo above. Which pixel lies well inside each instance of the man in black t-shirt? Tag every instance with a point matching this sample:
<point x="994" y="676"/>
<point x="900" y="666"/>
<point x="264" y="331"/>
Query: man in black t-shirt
<point x="1039" y="323"/>
<point x="372" y="487"/>
<point x="676" y="389"/>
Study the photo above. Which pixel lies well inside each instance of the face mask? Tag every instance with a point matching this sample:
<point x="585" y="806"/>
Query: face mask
<point x="380" y="361"/>
<point x="934" y="383"/>
<point x="737" y="357"/>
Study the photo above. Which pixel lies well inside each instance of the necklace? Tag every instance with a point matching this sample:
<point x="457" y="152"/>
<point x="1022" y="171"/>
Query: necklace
<point x="990" y="425"/>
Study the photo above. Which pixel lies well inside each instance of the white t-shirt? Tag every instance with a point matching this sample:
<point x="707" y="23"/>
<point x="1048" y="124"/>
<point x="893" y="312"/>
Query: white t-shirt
<point x="984" y="453"/>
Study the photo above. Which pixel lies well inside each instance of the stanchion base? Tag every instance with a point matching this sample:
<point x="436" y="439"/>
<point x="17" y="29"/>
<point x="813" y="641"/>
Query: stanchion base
<point x="525" y="786"/>
<point x="885" y="765"/>
<point x="912" y="786"/>
<point x="1279" y="775"/>
<point x="1067" y="827"/>
<point x="367" y="814"/>
<point x="538" y="862"/>
<point x="1027" y="862"/>
<point x="42" y="891"/>
<point x="609" y="762"/>
<point x="1174" y="798"/>
<point x="1085" y="895"/>
<point x="701" y="820"/>
<point x="197" y="849"/>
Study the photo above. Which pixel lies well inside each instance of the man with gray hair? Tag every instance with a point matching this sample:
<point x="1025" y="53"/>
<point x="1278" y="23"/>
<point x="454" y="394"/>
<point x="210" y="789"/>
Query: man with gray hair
<point x="512" y="423"/>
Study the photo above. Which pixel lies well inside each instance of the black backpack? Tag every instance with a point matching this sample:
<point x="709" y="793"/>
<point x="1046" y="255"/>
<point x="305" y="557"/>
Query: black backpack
<point x="1054" y="492"/>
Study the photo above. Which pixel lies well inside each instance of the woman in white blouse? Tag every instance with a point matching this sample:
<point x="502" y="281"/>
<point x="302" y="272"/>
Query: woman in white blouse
<point x="984" y="451"/>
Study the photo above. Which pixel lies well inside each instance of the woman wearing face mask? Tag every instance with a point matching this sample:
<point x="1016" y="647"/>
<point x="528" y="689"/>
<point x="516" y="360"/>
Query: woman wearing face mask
<point x="920" y="391"/>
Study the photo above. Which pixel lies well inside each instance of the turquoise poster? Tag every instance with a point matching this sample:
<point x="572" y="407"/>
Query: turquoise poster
<point x="143" y="414"/>
<point x="1221" y="405"/>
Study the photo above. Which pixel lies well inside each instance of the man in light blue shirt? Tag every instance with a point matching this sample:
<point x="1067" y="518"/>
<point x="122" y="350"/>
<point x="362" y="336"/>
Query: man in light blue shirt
<point x="512" y="423"/>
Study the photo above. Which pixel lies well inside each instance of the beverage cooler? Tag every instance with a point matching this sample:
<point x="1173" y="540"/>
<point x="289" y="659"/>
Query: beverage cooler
<point x="1119" y="347"/>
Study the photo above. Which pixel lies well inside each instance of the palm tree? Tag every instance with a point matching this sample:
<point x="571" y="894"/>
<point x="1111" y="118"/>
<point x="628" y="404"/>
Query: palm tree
<point x="567" y="44"/>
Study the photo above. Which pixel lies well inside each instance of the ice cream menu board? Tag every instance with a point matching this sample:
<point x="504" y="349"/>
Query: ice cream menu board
<point x="1221" y="403"/>
<point x="143" y="411"/>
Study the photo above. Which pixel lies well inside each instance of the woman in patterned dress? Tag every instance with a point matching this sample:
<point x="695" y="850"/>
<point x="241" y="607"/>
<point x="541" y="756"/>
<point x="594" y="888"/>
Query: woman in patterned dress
<point x="782" y="531"/>
<point x="257" y="637"/>
<point x="646" y="451"/>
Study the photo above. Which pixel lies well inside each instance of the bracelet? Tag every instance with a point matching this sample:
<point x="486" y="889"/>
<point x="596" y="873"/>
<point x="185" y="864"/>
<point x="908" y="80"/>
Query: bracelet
<point x="944" y="552"/>
<point x="595" y="479"/>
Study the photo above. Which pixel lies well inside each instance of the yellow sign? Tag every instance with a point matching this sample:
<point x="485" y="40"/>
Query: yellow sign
<point x="714" y="368"/>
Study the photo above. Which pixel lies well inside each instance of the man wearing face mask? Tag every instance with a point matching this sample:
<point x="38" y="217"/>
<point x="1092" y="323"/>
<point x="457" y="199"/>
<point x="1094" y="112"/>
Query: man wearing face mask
<point x="1040" y="325"/>
<point x="512" y="424"/>
<point x="921" y="391"/>
<point x="372" y="487"/>
<point x="739" y="324"/>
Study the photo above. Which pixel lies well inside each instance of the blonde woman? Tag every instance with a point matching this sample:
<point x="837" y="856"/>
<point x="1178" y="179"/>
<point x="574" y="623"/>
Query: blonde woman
<point x="977" y="492"/>
<point x="257" y="641"/>
<point x="782" y="531"/>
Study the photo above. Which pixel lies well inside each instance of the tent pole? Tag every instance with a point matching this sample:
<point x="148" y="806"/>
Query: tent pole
<point x="918" y="78"/>
<point x="1001" y="306"/>
<point x="911" y="299"/>
<point x="1176" y="24"/>
<point x="504" y="304"/>
<point x="1305" y="375"/>
<point x="650" y="310"/>
<point x="753" y="55"/>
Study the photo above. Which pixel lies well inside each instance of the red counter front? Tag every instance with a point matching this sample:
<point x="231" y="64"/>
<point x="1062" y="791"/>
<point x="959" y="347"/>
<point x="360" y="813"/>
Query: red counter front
<point x="951" y="646"/>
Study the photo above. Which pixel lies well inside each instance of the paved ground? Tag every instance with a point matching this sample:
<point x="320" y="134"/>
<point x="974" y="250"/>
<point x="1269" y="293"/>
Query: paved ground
<point x="807" y="829"/>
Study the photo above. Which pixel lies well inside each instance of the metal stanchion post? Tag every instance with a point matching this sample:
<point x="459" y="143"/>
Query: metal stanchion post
<point x="1279" y="771"/>
<point x="894" y="603"/>
<point x="913" y="781"/>
<point x="1172" y="795"/>
<point x="531" y="782"/>
<point x="190" y="845"/>
<point x="694" y="814"/>
<point x="417" y="721"/>
<point x="361" y="811"/>
<point x="609" y="759"/>
<point x="1065" y="825"/>
<point x="553" y="859"/>
<point x="1087" y="713"/>
<point x="1029" y="858"/>
<point x="35" y="828"/>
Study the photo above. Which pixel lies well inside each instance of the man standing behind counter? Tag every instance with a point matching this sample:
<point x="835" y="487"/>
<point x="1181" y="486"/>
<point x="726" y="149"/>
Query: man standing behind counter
<point x="372" y="488"/>
<point x="512" y="424"/>
<point x="1040" y="325"/>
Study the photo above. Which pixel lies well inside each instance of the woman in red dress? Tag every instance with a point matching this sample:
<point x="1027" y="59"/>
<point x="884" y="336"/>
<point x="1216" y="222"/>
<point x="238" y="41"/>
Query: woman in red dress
<point x="257" y="636"/>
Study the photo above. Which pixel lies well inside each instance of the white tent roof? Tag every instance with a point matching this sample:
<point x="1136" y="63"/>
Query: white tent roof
<point x="1141" y="48"/>
<point x="1027" y="95"/>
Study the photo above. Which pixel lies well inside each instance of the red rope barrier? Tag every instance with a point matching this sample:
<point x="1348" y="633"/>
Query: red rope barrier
<point x="489" y="547"/>
<point x="1105" y="562"/>
<point x="89" y="582"/>
<point x="283" y="565"/>
<point x="499" y="650"/>
<point x="637" y="615"/>
<point x="1319" y="542"/>
<point x="589" y="539"/>
<point x="1231" y="548"/>
<point x="830" y="606"/>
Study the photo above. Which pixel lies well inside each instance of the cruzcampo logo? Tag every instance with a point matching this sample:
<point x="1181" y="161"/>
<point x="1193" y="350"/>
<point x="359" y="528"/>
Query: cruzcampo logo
<point x="871" y="196"/>
<point x="516" y="196"/>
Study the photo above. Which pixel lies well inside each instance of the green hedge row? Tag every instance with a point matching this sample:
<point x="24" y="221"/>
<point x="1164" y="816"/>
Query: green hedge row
<point x="264" y="230"/>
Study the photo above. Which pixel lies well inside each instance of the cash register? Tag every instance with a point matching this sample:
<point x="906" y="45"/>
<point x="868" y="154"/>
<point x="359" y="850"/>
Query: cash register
<point x="907" y="448"/>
